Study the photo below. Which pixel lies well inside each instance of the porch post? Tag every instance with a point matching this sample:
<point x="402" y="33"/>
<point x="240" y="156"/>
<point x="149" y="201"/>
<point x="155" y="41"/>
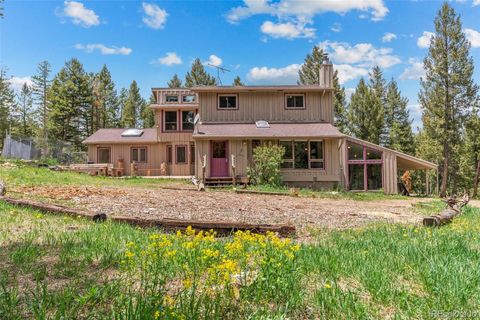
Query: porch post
<point x="427" y="183"/>
<point x="436" y="188"/>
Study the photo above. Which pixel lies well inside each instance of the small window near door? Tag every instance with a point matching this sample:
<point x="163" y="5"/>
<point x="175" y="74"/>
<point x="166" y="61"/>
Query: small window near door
<point x="169" y="154"/>
<point x="171" y="98"/>
<point x="219" y="149"/>
<point x="139" y="155"/>
<point x="187" y="120"/>
<point x="181" y="154"/>
<point x="295" y="101"/>
<point x="227" y="102"/>
<point x="103" y="155"/>
<point x="170" y="120"/>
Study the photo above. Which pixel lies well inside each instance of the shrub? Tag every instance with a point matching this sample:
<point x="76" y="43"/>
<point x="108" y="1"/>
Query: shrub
<point x="267" y="160"/>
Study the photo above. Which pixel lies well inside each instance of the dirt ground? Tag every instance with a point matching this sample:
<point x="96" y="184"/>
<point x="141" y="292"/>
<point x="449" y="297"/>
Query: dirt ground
<point x="304" y="213"/>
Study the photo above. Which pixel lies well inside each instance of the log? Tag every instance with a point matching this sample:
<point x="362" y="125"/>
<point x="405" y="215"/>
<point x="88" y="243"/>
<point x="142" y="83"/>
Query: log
<point x="446" y="216"/>
<point x="221" y="227"/>
<point x="271" y="193"/>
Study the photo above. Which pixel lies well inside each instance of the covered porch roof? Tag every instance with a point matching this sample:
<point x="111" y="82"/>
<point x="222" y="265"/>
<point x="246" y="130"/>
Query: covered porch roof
<point x="275" y="130"/>
<point x="404" y="161"/>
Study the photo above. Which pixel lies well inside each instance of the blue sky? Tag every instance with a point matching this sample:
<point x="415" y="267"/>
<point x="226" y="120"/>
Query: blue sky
<point x="264" y="42"/>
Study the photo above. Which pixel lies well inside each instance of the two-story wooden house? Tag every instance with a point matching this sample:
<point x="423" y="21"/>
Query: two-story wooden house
<point x="236" y="119"/>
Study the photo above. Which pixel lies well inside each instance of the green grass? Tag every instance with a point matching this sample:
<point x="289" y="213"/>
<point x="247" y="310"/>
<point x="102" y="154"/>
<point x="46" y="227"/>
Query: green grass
<point x="62" y="267"/>
<point x="28" y="175"/>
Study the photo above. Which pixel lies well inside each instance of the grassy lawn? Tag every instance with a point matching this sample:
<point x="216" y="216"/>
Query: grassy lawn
<point x="61" y="267"/>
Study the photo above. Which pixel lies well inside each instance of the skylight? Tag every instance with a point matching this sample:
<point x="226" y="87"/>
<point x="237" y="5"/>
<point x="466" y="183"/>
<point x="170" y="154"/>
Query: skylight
<point x="132" y="133"/>
<point x="262" y="124"/>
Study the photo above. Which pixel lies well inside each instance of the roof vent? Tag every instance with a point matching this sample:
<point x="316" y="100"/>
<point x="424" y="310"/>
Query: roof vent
<point x="132" y="133"/>
<point x="262" y="124"/>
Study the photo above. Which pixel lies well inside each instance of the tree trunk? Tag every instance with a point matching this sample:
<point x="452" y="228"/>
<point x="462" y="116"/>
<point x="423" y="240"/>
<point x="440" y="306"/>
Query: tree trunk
<point x="446" y="216"/>
<point x="443" y="190"/>
<point x="475" y="180"/>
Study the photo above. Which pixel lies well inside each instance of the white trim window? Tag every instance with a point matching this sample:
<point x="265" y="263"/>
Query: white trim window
<point x="171" y="98"/>
<point x="303" y="154"/>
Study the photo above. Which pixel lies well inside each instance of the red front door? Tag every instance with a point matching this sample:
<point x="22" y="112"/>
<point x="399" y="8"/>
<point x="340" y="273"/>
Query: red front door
<point x="219" y="161"/>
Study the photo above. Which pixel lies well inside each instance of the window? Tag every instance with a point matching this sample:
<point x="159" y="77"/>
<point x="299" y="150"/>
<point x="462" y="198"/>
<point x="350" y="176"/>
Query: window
<point x="316" y="155"/>
<point x="192" y="153"/>
<point x="288" y="156"/>
<point x="295" y="101"/>
<point x="170" y="120"/>
<point x="355" y="152"/>
<point x="171" y="98"/>
<point x="169" y="154"/>
<point x="181" y="154"/>
<point x="103" y="155"/>
<point x="189" y="98"/>
<point x="365" y="167"/>
<point x="187" y="120"/>
<point x="227" y="102"/>
<point x="139" y="155"/>
<point x="303" y="155"/>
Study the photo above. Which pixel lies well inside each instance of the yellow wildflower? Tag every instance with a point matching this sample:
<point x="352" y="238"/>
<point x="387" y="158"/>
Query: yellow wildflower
<point x="129" y="254"/>
<point x="189" y="231"/>
<point x="156" y="315"/>
<point x="187" y="283"/>
<point x="327" y="286"/>
<point x="168" y="300"/>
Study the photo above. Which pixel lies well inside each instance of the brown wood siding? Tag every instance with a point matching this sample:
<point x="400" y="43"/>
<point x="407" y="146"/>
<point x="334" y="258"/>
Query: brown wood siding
<point x="270" y="106"/>
<point x="390" y="185"/>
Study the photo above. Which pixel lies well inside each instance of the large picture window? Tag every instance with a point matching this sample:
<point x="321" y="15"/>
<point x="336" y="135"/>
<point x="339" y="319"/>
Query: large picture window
<point x="139" y="154"/>
<point x="103" y="155"/>
<point x="187" y="120"/>
<point x="295" y="101"/>
<point x="303" y="154"/>
<point x="364" y="167"/>
<point x="227" y="101"/>
<point x="170" y="120"/>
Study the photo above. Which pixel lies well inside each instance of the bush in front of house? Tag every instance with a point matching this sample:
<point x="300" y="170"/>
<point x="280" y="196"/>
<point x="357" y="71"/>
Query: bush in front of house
<point x="267" y="160"/>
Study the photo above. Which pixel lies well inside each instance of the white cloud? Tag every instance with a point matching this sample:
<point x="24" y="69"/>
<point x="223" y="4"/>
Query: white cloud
<point x="336" y="27"/>
<point x="362" y="54"/>
<point x="473" y="36"/>
<point x="424" y="40"/>
<point x="213" y="60"/>
<point x="265" y="75"/>
<point x="476" y="3"/>
<point x="304" y="10"/>
<point x="103" y="49"/>
<point x="287" y="30"/>
<point x="80" y="15"/>
<point x="347" y="72"/>
<point x="155" y="17"/>
<point x="170" y="59"/>
<point x="414" y="71"/>
<point x="16" y="83"/>
<point x="388" y="37"/>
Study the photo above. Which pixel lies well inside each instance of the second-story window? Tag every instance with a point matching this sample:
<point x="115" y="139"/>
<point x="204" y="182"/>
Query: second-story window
<point x="295" y="101"/>
<point x="188" y="98"/>
<point x="170" y="120"/>
<point x="187" y="120"/>
<point x="227" y="101"/>
<point x="171" y="98"/>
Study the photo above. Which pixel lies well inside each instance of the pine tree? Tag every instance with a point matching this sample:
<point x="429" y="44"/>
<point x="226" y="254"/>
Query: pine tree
<point x="237" y="81"/>
<point x="175" y="82"/>
<point x="447" y="92"/>
<point x="309" y="73"/>
<point x="7" y="98"/>
<point x="147" y="113"/>
<point x="471" y="167"/>
<point x="24" y="112"/>
<point x="41" y="85"/>
<point x="122" y="100"/>
<point x="197" y="76"/>
<point x="105" y="104"/>
<point x="378" y="85"/>
<point x="397" y="119"/>
<point x="365" y="114"/>
<point x="340" y="105"/>
<point x="134" y="104"/>
<point x="71" y="99"/>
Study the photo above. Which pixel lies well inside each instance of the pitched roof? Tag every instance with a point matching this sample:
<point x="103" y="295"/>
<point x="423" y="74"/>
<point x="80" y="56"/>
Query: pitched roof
<point x="114" y="136"/>
<point x="276" y="130"/>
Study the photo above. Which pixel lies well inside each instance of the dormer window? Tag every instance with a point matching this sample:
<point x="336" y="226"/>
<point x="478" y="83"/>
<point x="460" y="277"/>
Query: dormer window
<point x="295" y="101"/>
<point x="227" y="101"/>
<point x="171" y="98"/>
